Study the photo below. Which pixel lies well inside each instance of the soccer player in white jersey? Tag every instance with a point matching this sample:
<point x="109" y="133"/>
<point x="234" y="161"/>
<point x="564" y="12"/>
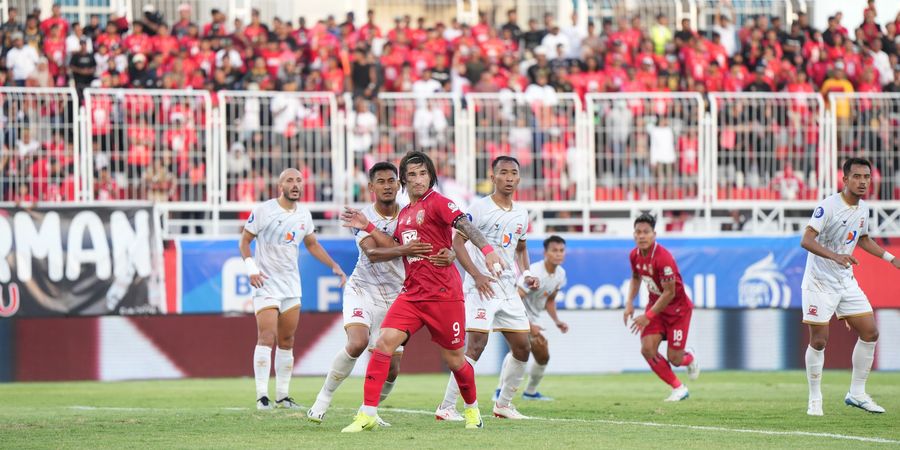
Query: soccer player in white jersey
<point x="838" y="224"/>
<point x="551" y="278"/>
<point x="279" y="225"/>
<point x="373" y="286"/>
<point x="493" y="303"/>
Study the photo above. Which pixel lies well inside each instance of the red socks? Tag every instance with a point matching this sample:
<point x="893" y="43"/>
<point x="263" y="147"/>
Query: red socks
<point x="687" y="359"/>
<point x="659" y="365"/>
<point x="376" y="374"/>
<point x="465" y="378"/>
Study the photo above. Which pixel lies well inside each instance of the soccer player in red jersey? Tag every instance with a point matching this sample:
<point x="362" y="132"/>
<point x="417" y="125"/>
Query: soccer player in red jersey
<point x="668" y="314"/>
<point x="431" y="296"/>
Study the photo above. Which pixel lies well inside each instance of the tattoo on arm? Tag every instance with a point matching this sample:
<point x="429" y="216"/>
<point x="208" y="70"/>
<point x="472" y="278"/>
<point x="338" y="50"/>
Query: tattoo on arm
<point x="475" y="236"/>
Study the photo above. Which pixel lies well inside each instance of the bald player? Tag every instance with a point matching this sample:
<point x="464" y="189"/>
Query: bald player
<point x="279" y="225"/>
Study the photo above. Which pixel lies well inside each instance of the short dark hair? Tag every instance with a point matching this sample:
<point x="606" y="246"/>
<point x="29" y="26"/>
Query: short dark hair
<point x="553" y="239"/>
<point x="850" y="162"/>
<point x="416" y="157"/>
<point x="503" y="158"/>
<point x="646" y="218"/>
<point x="380" y="166"/>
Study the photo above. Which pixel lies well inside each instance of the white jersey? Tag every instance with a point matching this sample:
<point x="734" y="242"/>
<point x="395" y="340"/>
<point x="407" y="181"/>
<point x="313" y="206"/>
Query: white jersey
<point x="536" y="300"/>
<point x="278" y="236"/>
<point x="503" y="230"/>
<point x="840" y="226"/>
<point x="380" y="281"/>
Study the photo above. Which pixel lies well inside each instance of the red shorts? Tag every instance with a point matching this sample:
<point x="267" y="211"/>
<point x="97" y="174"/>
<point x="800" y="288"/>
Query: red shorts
<point x="445" y="320"/>
<point x="673" y="328"/>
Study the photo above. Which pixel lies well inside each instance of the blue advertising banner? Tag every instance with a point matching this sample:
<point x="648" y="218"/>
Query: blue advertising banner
<point x="745" y="272"/>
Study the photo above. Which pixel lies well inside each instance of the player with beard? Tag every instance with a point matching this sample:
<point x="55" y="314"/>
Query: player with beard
<point x="279" y="225"/>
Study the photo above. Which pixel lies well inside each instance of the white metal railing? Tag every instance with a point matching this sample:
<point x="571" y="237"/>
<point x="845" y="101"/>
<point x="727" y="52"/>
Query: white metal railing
<point x="588" y="166"/>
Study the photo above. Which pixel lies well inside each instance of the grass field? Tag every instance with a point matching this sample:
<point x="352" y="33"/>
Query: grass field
<point x="726" y="410"/>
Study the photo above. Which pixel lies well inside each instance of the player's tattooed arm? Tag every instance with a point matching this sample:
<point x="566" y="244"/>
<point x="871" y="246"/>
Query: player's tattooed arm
<point x="491" y="259"/>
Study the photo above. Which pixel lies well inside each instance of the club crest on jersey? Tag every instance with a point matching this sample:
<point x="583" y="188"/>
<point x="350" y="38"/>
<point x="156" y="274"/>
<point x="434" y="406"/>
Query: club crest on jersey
<point x="452" y="206"/>
<point x="851" y="236"/>
<point x="481" y="313"/>
<point x="289" y="237"/>
<point x="813" y="310"/>
<point x="519" y="228"/>
<point x="506" y="240"/>
<point x="357" y="312"/>
<point x="862" y="222"/>
<point x="819" y="212"/>
<point x="420" y="217"/>
<point x="667" y="271"/>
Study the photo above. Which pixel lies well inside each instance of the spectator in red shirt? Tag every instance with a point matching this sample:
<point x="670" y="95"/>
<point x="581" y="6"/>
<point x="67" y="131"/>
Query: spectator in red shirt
<point x="216" y="28"/>
<point x="55" y="18"/>
<point x="164" y="43"/>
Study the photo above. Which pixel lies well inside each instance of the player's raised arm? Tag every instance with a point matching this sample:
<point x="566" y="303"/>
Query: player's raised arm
<point x="492" y="260"/>
<point x="256" y="277"/>
<point x="482" y="282"/>
<point x="872" y="247"/>
<point x="524" y="263"/>
<point x="354" y="218"/>
<point x="316" y="249"/>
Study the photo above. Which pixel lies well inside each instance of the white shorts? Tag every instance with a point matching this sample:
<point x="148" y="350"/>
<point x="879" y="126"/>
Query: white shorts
<point x="283" y="304"/>
<point x="818" y="307"/>
<point x="496" y="314"/>
<point x="361" y="310"/>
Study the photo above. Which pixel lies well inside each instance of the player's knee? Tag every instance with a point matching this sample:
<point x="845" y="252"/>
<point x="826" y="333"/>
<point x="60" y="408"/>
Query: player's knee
<point x="521" y="352"/>
<point x="542" y="360"/>
<point x="266" y="338"/>
<point x="869" y="336"/>
<point x="818" y="342"/>
<point x="356" y="347"/>
<point x="676" y="357"/>
<point x="475" y="349"/>
<point x="648" y="352"/>
<point x="286" y="342"/>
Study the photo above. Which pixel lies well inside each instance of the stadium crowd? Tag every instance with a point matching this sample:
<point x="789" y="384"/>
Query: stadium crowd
<point x="760" y="54"/>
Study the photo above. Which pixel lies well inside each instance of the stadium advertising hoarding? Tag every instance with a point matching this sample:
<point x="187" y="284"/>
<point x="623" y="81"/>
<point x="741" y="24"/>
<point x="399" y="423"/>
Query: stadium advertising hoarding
<point x="73" y="261"/>
<point x="730" y="273"/>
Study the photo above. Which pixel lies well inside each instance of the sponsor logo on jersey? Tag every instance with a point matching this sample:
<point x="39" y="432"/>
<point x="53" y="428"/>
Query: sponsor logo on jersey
<point x="454" y="341"/>
<point x="813" y="310"/>
<point x="851" y="236"/>
<point x="506" y="240"/>
<point x="519" y="228"/>
<point x="819" y="212"/>
<point x="420" y="217"/>
<point x="357" y="312"/>
<point x="407" y="236"/>
<point x="289" y="237"/>
<point x="667" y="271"/>
<point x="252" y="218"/>
<point x="481" y="313"/>
<point x="764" y="286"/>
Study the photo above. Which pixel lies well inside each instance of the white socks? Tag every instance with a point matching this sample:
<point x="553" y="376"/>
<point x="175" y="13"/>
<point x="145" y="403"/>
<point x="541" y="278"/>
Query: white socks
<point x="452" y="392"/>
<point x="863" y="355"/>
<point x="386" y="389"/>
<point x="262" y="363"/>
<point x="341" y="367"/>
<point x="535" y="377"/>
<point x="284" y="367"/>
<point x="510" y="378"/>
<point x="815" y="359"/>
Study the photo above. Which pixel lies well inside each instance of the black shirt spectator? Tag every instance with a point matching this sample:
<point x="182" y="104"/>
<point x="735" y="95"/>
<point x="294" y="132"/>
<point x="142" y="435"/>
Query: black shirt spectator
<point x="533" y="37"/>
<point x="83" y="66"/>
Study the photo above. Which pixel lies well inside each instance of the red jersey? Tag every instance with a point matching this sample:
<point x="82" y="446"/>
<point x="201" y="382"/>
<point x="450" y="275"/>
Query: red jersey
<point x="654" y="269"/>
<point x="430" y="219"/>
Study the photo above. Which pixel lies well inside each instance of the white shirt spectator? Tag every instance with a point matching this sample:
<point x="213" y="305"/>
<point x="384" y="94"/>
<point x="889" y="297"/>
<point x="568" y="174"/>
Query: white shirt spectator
<point x="365" y="124"/>
<point x="662" y="144"/>
<point x="551" y="41"/>
<point x="728" y="38"/>
<point x="882" y="63"/>
<point x="285" y="108"/>
<point x="102" y="62"/>
<point x="575" y="36"/>
<point x="431" y="126"/>
<point x="232" y="54"/>
<point x="73" y="45"/>
<point x="545" y="95"/>
<point x="23" y="61"/>
<point x="424" y="88"/>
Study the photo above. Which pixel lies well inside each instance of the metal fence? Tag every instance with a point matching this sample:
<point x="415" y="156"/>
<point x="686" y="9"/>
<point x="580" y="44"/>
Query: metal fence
<point x="39" y="158"/>
<point x="646" y="147"/>
<point x="587" y="167"/>
<point x="768" y="147"/>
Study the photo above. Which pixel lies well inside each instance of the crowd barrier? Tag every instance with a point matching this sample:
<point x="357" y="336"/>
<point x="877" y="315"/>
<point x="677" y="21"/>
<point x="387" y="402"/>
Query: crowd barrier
<point x="589" y="164"/>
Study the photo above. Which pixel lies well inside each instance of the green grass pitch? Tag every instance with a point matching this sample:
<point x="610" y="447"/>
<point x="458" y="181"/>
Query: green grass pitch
<point x="726" y="410"/>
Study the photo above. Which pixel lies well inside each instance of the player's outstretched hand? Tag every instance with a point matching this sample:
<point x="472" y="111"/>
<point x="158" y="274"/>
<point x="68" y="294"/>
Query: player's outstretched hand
<point x="532" y="283"/>
<point x="483" y="284"/>
<point x="629" y="312"/>
<point x="639" y="323"/>
<point x="494" y="264"/>
<point x="339" y="272"/>
<point x="564" y="327"/>
<point x="443" y="258"/>
<point x="846" y="260"/>
<point x="256" y="280"/>
<point x="416" y="247"/>
<point x="354" y="218"/>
